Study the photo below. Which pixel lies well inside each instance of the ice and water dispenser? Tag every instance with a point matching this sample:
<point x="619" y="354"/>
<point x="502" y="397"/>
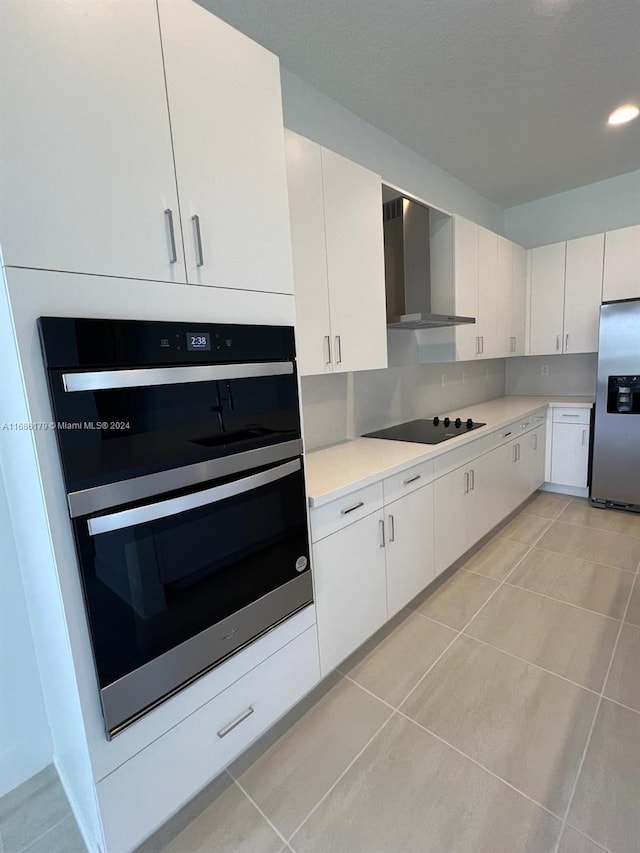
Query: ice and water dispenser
<point x="623" y="396"/>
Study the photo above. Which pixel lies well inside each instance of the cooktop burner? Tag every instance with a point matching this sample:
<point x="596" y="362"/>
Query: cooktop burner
<point x="427" y="431"/>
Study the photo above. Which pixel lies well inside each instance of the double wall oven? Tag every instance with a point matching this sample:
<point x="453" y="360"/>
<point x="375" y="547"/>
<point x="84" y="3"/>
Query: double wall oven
<point x="181" y="453"/>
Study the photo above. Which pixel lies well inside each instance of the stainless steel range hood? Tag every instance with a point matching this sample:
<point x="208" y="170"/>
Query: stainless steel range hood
<point x="408" y="268"/>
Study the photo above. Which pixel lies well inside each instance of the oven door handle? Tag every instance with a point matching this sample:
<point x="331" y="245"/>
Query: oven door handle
<point x="103" y="380"/>
<point x="173" y="506"/>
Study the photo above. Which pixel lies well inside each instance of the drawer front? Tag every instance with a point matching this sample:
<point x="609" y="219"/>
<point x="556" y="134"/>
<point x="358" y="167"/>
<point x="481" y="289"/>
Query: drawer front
<point x="407" y="481"/>
<point x="333" y="516"/>
<point x="568" y="415"/>
<point x="172" y="769"/>
<point x="462" y="455"/>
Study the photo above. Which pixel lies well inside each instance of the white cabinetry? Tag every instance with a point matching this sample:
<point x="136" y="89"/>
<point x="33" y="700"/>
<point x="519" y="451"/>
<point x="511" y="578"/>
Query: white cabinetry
<point x="226" y="120"/>
<point x="570" y="447"/>
<point x="465" y="244"/>
<point x="566" y="291"/>
<point x="536" y="440"/>
<point x="488" y="333"/>
<point x="336" y="215"/>
<point x="87" y="168"/>
<point x="517" y="339"/>
<point x="622" y="264"/>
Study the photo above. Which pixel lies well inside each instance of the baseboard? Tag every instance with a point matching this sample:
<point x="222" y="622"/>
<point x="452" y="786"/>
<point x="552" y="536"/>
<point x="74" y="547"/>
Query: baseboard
<point x="90" y="842"/>
<point x="574" y="491"/>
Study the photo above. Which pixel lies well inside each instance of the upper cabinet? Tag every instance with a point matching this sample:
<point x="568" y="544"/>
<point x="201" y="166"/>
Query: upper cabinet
<point x="338" y="260"/>
<point x="226" y="121"/>
<point x="88" y="175"/>
<point x="517" y="338"/>
<point x="465" y="264"/>
<point x="566" y="292"/>
<point x="622" y="264"/>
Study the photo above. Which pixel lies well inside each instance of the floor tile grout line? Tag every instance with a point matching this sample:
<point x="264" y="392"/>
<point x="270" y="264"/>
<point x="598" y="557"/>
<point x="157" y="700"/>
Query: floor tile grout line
<point x="531" y="663"/>
<point x="588" y="838"/>
<point x="258" y="809"/>
<point x="587" y="560"/>
<point x="595" y="529"/>
<point x="479" y="764"/>
<point x="562" y="601"/>
<point x="370" y="692"/>
<point x="341" y="776"/>
<point x="44" y="834"/>
<point x="595" y="717"/>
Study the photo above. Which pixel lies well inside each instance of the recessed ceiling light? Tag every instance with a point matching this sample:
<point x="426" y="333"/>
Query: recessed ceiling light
<point x="623" y="114"/>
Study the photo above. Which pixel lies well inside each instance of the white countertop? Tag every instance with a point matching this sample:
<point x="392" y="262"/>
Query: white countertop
<point x="333" y="472"/>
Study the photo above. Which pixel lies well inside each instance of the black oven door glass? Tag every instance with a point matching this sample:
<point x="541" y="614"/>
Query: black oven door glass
<point x="117" y="434"/>
<point x="150" y="585"/>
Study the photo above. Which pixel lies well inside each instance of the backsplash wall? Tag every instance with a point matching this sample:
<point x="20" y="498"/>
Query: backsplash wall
<point x="341" y="406"/>
<point x="574" y="375"/>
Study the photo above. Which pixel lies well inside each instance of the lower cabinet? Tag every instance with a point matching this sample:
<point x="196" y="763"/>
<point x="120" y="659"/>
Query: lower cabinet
<point x="537" y="449"/>
<point x="570" y="454"/>
<point x="350" y="588"/>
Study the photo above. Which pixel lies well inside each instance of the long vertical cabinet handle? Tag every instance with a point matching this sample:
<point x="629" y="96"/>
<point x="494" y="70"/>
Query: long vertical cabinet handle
<point x="392" y="529"/>
<point x="338" y="350"/>
<point x="535" y="441"/>
<point x="557" y="343"/>
<point x="519" y="451"/>
<point x="173" y="254"/>
<point x="466" y="483"/>
<point x="566" y="342"/>
<point x="481" y="344"/>
<point x="515" y="453"/>
<point x="197" y="236"/>
<point x="381" y="532"/>
<point x="584" y="436"/>
<point x="477" y="344"/>
<point x="327" y="349"/>
<point x="473" y="480"/>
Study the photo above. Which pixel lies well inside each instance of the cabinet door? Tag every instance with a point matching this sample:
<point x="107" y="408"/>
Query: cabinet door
<point x="465" y="237"/>
<point x="518" y="300"/>
<point x="569" y="454"/>
<point x="504" y="294"/>
<point x="355" y="259"/>
<point x="451" y="536"/>
<point x="409" y="526"/>
<point x="226" y="121"/>
<point x="350" y="588"/>
<point x="481" y="512"/>
<point x="537" y="449"/>
<point x="488" y="293"/>
<point x="87" y="169"/>
<point x="583" y="293"/>
<point x="622" y="264"/>
<point x="547" y="299"/>
<point x="306" y="207"/>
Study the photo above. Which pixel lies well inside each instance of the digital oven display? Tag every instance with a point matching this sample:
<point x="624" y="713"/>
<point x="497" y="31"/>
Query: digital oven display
<point x="198" y="341"/>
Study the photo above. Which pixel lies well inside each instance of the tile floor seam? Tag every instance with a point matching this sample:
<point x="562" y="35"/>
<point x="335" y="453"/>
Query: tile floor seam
<point x="591" y="840"/>
<point x="435" y="621"/>
<point x="531" y="663"/>
<point x="587" y="560"/>
<point x="562" y="600"/>
<point x="370" y="692"/>
<point x="595" y="717"/>
<point x="341" y="776"/>
<point x="44" y="834"/>
<point x="587" y="527"/>
<point x="479" y="764"/>
<point x="259" y="810"/>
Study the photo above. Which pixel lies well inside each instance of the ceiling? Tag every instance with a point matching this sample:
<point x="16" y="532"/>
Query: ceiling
<point x="510" y="96"/>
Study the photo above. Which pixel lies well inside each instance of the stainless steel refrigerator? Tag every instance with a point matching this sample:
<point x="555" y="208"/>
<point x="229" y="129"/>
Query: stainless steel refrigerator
<point x="615" y="473"/>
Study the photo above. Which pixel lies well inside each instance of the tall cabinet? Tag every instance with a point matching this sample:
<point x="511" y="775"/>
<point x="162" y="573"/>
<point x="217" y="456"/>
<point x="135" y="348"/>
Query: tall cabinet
<point x="338" y="260"/>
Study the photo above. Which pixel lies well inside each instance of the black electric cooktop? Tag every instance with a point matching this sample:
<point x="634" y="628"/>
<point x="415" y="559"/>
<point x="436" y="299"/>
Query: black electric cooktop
<point x="427" y="431"/>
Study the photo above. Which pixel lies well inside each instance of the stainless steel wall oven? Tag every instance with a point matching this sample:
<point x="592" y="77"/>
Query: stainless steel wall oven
<point x="181" y="453"/>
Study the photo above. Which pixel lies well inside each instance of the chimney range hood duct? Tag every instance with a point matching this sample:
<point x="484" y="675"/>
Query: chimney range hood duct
<point x="407" y="268"/>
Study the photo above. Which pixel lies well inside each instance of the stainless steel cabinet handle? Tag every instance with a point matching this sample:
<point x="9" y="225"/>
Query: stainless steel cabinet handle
<point x="466" y="483"/>
<point x="174" y="506"/>
<point x="557" y="343"/>
<point x="173" y="254"/>
<point x="224" y="731"/>
<point x="351" y="508"/>
<point x="535" y="442"/>
<point x="412" y="479"/>
<point x="197" y="236"/>
<point x="513" y="344"/>
<point x="566" y="342"/>
<point x="584" y="436"/>
<point x="515" y="453"/>
<point x="570" y="416"/>
<point x="505" y="434"/>
<point x="477" y="344"/>
<point x="481" y="344"/>
<point x="381" y="532"/>
<point x="327" y="349"/>
<point x="392" y="529"/>
<point x="519" y="451"/>
<point x="338" y="350"/>
<point x="473" y="480"/>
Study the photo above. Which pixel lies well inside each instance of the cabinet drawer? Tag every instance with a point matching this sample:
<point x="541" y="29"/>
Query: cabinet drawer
<point x="407" y="481"/>
<point x="462" y="455"/>
<point x="177" y="765"/>
<point x="568" y="415"/>
<point x="334" y="516"/>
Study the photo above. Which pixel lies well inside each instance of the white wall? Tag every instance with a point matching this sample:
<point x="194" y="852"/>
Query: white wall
<point x="602" y="206"/>
<point x="574" y="375"/>
<point x="25" y="742"/>
<point x="312" y="114"/>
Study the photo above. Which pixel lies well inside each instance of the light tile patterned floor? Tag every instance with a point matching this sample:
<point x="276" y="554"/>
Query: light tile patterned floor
<point x="499" y="713"/>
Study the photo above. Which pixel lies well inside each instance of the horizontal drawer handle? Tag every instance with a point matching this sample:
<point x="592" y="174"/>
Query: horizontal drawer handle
<point x="569" y="416"/>
<point x="351" y="508"/>
<point x="224" y="731"/>
<point x="505" y="434"/>
<point x="540" y="417"/>
<point x="524" y="426"/>
<point x="412" y="479"/>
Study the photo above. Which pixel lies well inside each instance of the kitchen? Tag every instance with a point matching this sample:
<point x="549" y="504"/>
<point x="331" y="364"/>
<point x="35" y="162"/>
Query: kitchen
<point x="97" y="268"/>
